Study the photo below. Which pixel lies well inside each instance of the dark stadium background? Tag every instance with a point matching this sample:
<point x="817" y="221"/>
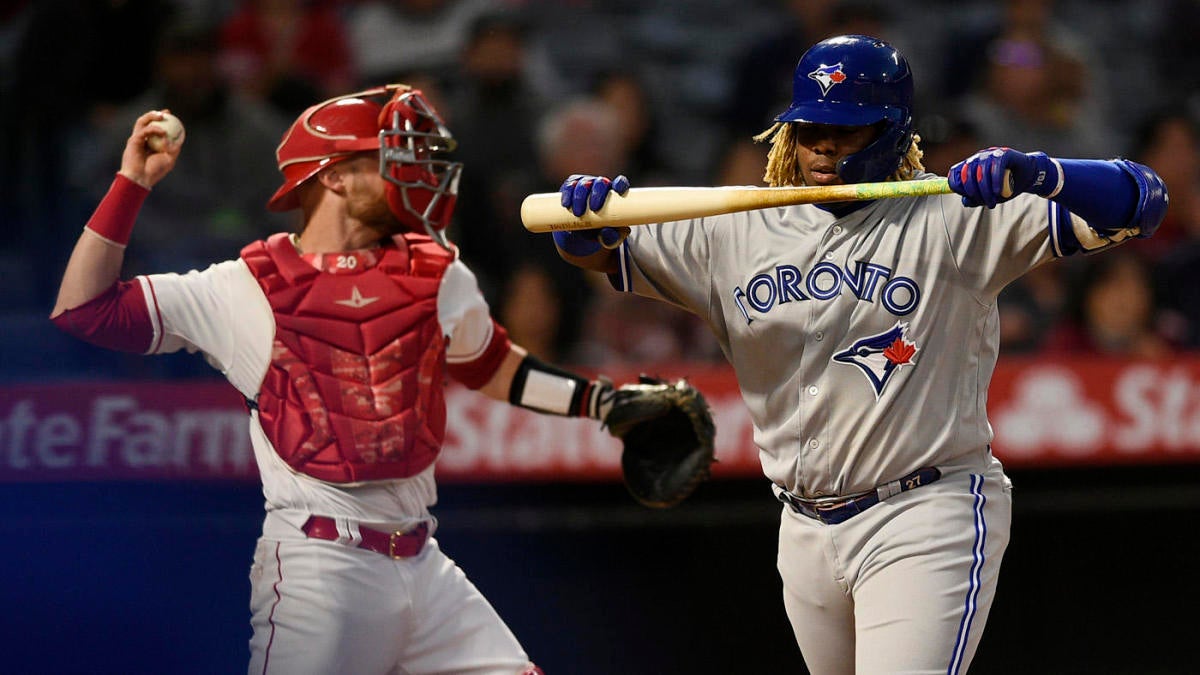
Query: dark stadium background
<point x="131" y="578"/>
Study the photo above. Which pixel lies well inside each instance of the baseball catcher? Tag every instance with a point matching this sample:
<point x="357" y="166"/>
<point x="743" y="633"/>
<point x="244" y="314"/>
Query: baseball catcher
<point x="667" y="430"/>
<point x="341" y="337"/>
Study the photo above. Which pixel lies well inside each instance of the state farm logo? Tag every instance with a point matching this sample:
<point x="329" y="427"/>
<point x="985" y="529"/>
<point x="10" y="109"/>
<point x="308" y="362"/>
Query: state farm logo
<point x="121" y="435"/>
<point x="1142" y="409"/>
<point x="488" y="438"/>
<point x="1050" y="407"/>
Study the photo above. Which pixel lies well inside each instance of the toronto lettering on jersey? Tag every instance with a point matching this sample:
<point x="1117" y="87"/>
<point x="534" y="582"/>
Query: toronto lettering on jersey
<point x="868" y="282"/>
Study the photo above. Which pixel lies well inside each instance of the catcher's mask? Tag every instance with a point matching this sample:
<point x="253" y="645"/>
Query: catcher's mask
<point x="422" y="186"/>
<point x="857" y="80"/>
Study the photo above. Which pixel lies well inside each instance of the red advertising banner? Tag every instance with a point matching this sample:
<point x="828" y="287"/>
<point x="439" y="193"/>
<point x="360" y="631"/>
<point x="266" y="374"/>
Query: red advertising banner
<point x="1044" y="413"/>
<point x="1095" y="412"/>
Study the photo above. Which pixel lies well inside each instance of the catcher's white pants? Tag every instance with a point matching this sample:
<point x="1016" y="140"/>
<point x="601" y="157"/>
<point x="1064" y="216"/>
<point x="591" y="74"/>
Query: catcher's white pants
<point x="321" y="607"/>
<point x="903" y="587"/>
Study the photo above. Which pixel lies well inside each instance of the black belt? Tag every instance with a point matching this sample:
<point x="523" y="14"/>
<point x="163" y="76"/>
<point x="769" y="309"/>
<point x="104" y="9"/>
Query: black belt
<point x="834" y="511"/>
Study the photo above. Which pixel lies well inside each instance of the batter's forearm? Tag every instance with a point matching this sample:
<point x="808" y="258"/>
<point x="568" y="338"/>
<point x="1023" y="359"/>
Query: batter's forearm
<point x="1113" y="194"/>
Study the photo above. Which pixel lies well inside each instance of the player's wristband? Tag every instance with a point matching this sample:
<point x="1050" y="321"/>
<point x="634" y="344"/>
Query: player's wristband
<point x="114" y="216"/>
<point x="542" y="387"/>
<point x="580" y="244"/>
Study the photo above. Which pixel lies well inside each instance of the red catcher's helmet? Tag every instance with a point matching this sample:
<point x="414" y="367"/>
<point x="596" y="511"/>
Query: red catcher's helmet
<point x="406" y="130"/>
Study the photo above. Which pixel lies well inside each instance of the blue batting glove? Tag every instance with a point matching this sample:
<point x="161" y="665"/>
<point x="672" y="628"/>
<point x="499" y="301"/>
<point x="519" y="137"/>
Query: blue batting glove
<point x="583" y="243"/>
<point x="581" y="192"/>
<point x="980" y="178"/>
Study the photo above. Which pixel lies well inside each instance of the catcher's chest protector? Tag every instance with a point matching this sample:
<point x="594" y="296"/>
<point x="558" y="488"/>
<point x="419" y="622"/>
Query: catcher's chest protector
<point x="354" y="388"/>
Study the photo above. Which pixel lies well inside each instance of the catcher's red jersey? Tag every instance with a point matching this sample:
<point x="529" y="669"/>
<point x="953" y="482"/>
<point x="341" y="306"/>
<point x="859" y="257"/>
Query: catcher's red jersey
<point x="354" y="388"/>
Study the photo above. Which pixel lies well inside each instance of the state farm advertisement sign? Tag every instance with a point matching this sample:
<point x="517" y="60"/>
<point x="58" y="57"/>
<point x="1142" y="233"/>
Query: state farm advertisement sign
<point x="1096" y="412"/>
<point x="1044" y="413"/>
<point x="124" y="431"/>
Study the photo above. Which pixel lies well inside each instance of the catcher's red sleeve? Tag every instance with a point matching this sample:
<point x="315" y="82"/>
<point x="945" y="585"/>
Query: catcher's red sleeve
<point x="115" y="319"/>
<point x="476" y="373"/>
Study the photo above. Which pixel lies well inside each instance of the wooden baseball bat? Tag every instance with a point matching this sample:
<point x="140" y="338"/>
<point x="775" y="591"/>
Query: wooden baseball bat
<point x="544" y="212"/>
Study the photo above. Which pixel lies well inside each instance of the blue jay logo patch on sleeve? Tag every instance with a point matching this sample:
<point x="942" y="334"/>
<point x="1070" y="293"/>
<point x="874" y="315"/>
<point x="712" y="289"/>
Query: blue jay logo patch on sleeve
<point x="880" y="356"/>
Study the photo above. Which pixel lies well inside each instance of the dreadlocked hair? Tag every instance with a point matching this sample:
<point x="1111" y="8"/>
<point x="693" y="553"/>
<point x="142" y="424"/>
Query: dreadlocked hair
<point x="783" y="167"/>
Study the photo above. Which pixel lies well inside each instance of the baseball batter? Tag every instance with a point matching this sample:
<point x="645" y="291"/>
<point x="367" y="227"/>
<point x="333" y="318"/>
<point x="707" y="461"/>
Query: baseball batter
<point x="864" y="336"/>
<point x="339" y="339"/>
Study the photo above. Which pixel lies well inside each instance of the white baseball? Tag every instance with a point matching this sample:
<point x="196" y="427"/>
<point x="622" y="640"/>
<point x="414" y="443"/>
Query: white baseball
<point x="172" y="130"/>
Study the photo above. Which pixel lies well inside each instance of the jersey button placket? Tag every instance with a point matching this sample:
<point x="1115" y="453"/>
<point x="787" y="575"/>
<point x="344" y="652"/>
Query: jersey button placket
<point x="813" y="390"/>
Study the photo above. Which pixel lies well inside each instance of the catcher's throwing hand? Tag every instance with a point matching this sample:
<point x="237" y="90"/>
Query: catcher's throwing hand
<point x="668" y="432"/>
<point x="142" y="165"/>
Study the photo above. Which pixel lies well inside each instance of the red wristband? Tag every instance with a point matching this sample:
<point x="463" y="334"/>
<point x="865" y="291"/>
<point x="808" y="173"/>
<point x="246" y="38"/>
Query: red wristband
<point x="114" y="217"/>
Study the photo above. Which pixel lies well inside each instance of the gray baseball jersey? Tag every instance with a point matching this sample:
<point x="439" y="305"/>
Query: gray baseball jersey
<point x="863" y="345"/>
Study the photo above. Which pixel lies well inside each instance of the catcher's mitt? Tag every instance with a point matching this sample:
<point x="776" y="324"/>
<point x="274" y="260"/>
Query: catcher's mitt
<point x="668" y="432"/>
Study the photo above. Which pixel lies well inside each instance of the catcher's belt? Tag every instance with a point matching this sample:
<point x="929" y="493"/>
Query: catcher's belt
<point x="400" y="544"/>
<point x="834" y="510"/>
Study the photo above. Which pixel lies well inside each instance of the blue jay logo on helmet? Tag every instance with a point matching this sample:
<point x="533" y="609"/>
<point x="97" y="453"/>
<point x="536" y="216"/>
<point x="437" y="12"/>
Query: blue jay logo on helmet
<point x="870" y="83"/>
<point x="827" y="76"/>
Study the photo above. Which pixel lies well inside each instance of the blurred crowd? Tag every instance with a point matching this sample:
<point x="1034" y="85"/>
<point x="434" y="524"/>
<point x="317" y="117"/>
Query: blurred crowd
<point x="667" y="92"/>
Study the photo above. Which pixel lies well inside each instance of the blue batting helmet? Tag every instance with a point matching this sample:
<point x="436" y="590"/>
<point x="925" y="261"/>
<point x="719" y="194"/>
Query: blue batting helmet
<point x="857" y="80"/>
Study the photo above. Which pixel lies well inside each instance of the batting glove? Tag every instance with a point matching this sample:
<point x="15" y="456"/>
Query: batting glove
<point x="583" y="243"/>
<point x="980" y="178"/>
<point x="581" y="192"/>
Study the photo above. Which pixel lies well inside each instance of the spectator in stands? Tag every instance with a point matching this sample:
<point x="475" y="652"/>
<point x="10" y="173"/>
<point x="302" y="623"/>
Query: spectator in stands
<point x="543" y="303"/>
<point x="580" y="128"/>
<point x="1171" y="139"/>
<point x="1030" y="307"/>
<point x="495" y="111"/>
<point x="1032" y="85"/>
<point x="1173" y="48"/>
<point x="72" y="62"/>
<point x="945" y="139"/>
<point x="1111" y="310"/>
<point x="533" y="305"/>
<point x="400" y="36"/>
<point x="638" y="128"/>
<point x="287" y="52"/>
<point x="620" y="330"/>
<point x="216" y="202"/>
